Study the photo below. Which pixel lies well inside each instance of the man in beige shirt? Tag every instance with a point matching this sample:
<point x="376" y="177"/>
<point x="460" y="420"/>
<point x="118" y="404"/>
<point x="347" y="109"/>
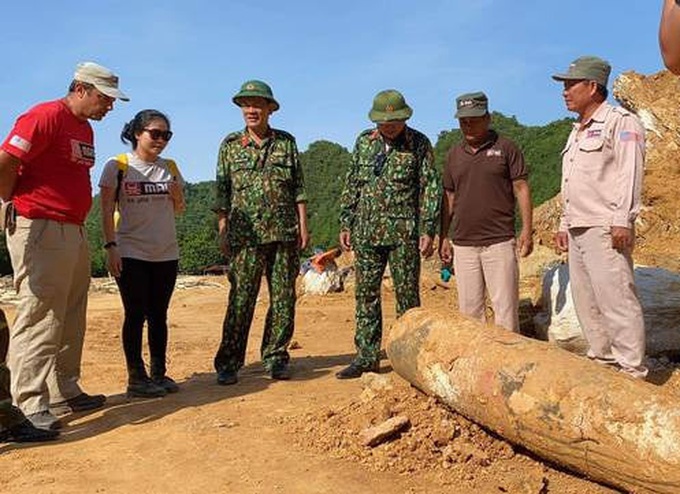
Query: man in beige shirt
<point x="602" y="167"/>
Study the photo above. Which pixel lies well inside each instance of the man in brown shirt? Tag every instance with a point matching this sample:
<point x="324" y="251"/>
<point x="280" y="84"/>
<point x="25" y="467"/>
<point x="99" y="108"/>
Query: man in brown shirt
<point x="483" y="178"/>
<point x="602" y="167"/>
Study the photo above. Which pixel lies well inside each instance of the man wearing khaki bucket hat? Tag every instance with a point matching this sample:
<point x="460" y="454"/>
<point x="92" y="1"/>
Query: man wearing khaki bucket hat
<point x="388" y="214"/>
<point x="262" y="220"/>
<point x="602" y="169"/>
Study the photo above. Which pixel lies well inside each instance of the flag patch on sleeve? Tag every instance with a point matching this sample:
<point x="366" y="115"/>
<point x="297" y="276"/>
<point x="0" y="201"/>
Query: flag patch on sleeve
<point x="630" y="136"/>
<point x="20" y="143"/>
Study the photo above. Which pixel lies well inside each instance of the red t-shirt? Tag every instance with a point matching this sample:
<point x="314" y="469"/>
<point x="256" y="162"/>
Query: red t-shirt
<point x="56" y="152"/>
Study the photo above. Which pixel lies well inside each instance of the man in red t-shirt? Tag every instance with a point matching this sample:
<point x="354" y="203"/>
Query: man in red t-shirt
<point x="45" y="164"/>
<point x="485" y="176"/>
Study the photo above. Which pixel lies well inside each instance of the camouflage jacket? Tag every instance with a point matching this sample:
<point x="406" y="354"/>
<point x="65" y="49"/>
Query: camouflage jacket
<point x="391" y="196"/>
<point x="258" y="188"/>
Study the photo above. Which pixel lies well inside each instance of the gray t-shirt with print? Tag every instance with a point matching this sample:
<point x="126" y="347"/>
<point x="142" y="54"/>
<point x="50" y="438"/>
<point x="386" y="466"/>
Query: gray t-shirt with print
<point x="146" y="230"/>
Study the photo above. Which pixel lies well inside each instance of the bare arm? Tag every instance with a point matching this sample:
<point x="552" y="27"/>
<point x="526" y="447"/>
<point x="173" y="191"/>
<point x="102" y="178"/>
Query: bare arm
<point x="222" y="232"/>
<point x="9" y="167"/>
<point x="445" y="251"/>
<point x="669" y="35"/>
<point x="525" y="243"/>
<point x="107" y="196"/>
<point x="303" y="232"/>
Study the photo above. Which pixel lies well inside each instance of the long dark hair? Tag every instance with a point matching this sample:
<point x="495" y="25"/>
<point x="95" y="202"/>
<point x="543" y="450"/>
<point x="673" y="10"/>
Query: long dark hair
<point x="139" y="123"/>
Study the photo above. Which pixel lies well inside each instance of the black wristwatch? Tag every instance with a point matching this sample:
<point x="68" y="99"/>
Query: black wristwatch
<point x="108" y="245"/>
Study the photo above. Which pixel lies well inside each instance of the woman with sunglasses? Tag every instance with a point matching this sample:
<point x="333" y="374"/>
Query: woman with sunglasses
<point x="141" y="248"/>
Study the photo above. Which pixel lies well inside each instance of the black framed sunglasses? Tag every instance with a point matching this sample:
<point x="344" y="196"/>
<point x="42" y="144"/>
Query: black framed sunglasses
<point x="156" y="134"/>
<point x="379" y="163"/>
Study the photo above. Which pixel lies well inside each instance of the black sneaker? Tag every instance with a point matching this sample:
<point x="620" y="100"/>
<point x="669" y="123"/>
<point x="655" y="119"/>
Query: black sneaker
<point x="44" y="420"/>
<point x="225" y="377"/>
<point x="355" y="370"/>
<point x="167" y="383"/>
<point x="80" y="403"/>
<point x="280" y="372"/>
<point x="26" y="432"/>
<point x="145" y="388"/>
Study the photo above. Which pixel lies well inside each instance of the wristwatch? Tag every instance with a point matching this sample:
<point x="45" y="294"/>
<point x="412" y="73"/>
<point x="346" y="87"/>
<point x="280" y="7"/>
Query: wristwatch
<point x="108" y="245"/>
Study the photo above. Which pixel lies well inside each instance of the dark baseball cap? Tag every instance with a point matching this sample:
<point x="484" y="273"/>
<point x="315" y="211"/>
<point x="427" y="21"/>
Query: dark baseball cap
<point x="587" y="68"/>
<point x="472" y="105"/>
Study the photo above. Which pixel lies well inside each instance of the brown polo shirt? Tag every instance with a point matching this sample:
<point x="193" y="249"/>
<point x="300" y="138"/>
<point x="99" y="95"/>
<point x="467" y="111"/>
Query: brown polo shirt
<point x="484" y="206"/>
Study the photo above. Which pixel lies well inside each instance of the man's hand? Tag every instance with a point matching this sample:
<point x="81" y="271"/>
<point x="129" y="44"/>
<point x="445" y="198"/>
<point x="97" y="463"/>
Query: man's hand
<point x="525" y="243"/>
<point x="303" y="238"/>
<point x="622" y="238"/>
<point x="561" y="242"/>
<point x="426" y="246"/>
<point x="445" y="251"/>
<point x="345" y="240"/>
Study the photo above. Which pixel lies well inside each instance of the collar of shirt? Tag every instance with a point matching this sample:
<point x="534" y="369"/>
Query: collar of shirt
<point x="599" y="115"/>
<point x="492" y="137"/>
<point x="247" y="139"/>
<point x="404" y="142"/>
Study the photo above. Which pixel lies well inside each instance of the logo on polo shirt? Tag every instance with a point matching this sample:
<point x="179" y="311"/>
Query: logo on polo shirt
<point x="494" y="152"/>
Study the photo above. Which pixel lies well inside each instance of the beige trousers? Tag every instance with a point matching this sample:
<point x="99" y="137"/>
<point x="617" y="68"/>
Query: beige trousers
<point x="495" y="269"/>
<point x="606" y="303"/>
<point x="51" y="264"/>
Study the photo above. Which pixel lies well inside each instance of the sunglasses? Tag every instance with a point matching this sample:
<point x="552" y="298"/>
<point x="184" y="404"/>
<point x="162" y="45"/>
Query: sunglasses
<point x="156" y="134"/>
<point x="379" y="163"/>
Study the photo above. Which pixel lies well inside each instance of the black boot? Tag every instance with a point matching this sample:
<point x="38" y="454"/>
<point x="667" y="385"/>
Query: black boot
<point x="159" y="377"/>
<point x="141" y="386"/>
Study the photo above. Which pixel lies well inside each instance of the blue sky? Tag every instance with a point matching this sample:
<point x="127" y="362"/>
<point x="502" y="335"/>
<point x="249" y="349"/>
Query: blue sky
<point x="324" y="60"/>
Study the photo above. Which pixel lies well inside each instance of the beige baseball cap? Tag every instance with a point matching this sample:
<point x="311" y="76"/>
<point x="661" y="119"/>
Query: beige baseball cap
<point x="101" y="78"/>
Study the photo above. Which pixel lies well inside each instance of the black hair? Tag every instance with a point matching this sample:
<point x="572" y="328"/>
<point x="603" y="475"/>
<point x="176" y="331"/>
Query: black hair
<point x="139" y="123"/>
<point x="602" y="91"/>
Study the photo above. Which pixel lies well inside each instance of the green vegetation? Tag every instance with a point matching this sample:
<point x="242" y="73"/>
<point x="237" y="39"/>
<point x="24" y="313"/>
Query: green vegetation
<point x="325" y="165"/>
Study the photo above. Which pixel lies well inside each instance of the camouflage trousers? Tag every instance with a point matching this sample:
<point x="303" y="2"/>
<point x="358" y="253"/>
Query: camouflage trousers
<point x="404" y="261"/>
<point x="9" y="415"/>
<point x="280" y="263"/>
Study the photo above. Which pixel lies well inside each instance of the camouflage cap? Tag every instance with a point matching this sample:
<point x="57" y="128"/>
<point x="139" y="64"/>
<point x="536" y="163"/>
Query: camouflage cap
<point x="587" y="68"/>
<point x="472" y="105"/>
<point x="255" y="89"/>
<point x="389" y="105"/>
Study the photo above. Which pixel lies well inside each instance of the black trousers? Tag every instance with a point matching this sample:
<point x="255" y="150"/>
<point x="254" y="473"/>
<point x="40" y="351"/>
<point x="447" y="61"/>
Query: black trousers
<point x="146" y="288"/>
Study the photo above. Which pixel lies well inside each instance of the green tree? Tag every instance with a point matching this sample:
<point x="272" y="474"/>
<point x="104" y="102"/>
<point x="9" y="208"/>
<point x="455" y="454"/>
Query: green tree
<point x="324" y="165"/>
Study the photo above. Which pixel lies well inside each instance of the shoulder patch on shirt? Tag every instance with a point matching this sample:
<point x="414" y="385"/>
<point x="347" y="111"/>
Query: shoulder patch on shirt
<point x="20" y="143"/>
<point x="630" y="136"/>
<point x="494" y="152"/>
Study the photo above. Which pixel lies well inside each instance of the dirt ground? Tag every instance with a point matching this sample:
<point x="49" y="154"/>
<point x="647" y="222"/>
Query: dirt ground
<point x="302" y="436"/>
<point x="260" y="435"/>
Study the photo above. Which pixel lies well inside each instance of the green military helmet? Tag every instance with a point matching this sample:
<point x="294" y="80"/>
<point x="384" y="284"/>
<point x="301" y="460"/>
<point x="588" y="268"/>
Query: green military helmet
<point x="254" y="89"/>
<point x="389" y="105"/>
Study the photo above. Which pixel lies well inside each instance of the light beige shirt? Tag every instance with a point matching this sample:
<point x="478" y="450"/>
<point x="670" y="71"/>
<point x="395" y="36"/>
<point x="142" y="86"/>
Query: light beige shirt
<point x="602" y="168"/>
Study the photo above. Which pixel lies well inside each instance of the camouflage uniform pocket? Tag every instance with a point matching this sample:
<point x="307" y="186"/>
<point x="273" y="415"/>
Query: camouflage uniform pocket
<point x="242" y="174"/>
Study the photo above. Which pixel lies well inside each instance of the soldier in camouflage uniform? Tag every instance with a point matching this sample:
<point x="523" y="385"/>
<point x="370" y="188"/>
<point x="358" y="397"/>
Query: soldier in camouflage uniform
<point x="388" y="214"/>
<point x="14" y="426"/>
<point x="262" y="217"/>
